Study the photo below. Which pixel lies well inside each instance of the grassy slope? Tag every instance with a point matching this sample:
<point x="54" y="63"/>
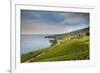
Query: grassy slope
<point x="77" y="49"/>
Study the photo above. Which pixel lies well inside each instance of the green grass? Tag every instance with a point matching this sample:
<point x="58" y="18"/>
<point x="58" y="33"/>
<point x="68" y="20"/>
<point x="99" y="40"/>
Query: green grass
<point x="74" y="49"/>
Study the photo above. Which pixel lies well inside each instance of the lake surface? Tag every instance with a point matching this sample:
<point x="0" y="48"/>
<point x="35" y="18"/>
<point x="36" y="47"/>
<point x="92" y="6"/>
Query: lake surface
<point x="33" y="42"/>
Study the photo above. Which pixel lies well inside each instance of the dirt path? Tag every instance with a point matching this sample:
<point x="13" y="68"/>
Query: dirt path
<point x="35" y="57"/>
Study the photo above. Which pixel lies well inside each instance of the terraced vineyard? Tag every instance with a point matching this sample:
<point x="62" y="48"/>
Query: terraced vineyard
<point x="73" y="49"/>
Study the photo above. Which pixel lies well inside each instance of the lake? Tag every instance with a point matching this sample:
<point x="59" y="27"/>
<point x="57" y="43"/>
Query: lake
<point x="33" y="42"/>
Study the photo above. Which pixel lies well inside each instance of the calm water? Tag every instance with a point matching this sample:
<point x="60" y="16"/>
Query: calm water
<point x="33" y="42"/>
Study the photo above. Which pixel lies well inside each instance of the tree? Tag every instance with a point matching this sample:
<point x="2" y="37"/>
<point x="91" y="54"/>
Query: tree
<point x="87" y="34"/>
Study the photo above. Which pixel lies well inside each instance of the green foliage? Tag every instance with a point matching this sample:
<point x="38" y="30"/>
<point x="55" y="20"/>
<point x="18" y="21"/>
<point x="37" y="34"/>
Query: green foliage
<point x="74" y="49"/>
<point x="87" y="34"/>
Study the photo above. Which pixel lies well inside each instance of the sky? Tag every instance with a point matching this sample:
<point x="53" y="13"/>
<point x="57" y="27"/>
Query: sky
<point x="52" y="22"/>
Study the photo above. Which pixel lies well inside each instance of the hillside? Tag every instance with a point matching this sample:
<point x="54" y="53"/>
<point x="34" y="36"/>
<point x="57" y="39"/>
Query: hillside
<point x="73" y="33"/>
<point x="70" y="49"/>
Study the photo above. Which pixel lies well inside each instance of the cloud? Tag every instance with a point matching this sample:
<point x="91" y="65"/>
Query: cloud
<point x="41" y="28"/>
<point x="75" y="18"/>
<point x="50" y="22"/>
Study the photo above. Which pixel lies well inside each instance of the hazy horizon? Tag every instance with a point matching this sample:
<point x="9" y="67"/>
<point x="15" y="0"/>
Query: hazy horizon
<point x="53" y="34"/>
